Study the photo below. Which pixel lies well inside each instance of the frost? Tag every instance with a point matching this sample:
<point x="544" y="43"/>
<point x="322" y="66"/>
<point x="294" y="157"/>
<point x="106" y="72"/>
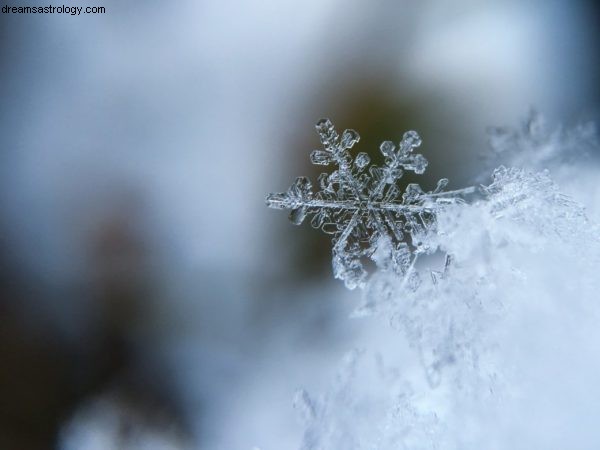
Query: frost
<point x="534" y="199"/>
<point x="493" y="301"/>
<point x="397" y="416"/>
<point x="518" y="252"/>
<point x="366" y="210"/>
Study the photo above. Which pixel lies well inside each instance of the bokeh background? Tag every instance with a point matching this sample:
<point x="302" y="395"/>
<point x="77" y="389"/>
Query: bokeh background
<point x="148" y="298"/>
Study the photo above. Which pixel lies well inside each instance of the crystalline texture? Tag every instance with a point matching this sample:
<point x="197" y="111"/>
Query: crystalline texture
<point x="363" y="208"/>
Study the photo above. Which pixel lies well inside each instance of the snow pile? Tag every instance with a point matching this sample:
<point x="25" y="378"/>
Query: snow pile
<point x="497" y="347"/>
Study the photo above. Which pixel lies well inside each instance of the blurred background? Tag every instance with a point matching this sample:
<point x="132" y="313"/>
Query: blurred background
<point x="148" y="298"/>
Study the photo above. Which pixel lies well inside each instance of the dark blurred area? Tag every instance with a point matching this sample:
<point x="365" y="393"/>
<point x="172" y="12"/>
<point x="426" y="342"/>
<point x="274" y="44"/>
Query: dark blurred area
<point x="148" y="298"/>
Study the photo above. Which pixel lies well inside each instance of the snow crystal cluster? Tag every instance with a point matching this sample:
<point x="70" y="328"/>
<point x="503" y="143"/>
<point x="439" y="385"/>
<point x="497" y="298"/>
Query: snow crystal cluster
<point x="497" y="343"/>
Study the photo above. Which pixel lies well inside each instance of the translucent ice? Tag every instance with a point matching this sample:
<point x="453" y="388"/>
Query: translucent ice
<point x="362" y="210"/>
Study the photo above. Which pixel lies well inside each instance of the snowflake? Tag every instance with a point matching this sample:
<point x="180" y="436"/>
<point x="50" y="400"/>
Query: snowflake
<point x="366" y="209"/>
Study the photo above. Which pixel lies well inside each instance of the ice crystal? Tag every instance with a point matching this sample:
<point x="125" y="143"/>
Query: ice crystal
<point x="367" y="209"/>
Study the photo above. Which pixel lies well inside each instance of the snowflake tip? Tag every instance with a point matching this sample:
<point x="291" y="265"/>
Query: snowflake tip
<point x="277" y="201"/>
<point x="349" y="138"/>
<point x="324" y="126"/>
<point x="362" y="160"/>
<point x="387" y="149"/>
<point x="419" y="165"/>
<point x="327" y="133"/>
<point x="441" y="184"/>
<point x="410" y="141"/>
<point x="320" y="157"/>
